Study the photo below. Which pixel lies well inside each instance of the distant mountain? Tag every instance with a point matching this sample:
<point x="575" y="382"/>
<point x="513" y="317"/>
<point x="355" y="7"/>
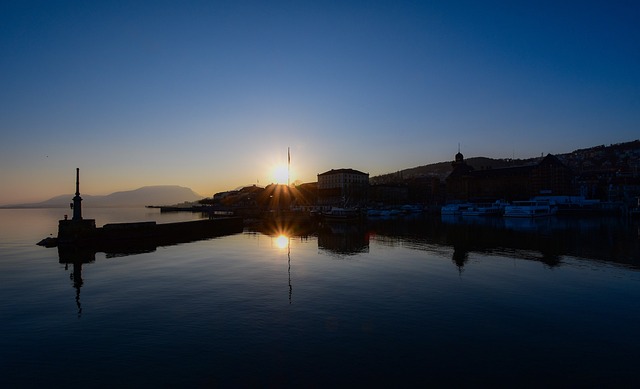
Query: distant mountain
<point x="148" y="195"/>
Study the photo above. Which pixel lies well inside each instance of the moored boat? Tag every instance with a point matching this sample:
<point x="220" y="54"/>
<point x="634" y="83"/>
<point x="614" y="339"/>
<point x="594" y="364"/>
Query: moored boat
<point x="455" y="208"/>
<point x="342" y="214"/>
<point x="485" y="209"/>
<point x="532" y="208"/>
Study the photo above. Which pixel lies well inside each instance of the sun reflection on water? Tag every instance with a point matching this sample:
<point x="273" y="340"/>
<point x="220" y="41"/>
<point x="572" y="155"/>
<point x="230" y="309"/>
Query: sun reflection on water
<point x="282" y="241"/>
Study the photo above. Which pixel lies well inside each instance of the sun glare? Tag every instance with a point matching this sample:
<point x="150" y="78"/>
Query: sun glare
<point x="280" y="174"/>
<point x="282" y="241"/>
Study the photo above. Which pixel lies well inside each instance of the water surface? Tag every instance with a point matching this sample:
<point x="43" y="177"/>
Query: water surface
<point x="425" y="302"/>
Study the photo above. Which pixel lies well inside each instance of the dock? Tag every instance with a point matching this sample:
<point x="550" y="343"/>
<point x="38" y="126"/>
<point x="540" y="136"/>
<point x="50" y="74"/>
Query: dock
<point x="83" y="233"/>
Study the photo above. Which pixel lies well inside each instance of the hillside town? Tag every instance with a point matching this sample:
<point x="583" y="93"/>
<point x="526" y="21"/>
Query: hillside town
<point x="609" y="175"/>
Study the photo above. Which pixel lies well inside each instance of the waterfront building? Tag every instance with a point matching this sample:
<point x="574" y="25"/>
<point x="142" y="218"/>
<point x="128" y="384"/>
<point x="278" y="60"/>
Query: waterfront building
<point x="342" y="187"/>
<point x="548" y="176"/>
<point x="422" y="189"/>
<point x="389" y="194"/>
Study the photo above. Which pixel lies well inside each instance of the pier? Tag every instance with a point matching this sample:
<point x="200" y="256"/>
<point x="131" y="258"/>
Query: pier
<point x="83" y="233"/>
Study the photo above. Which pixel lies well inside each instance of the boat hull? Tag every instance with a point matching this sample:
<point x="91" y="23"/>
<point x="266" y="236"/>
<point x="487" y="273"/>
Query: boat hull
<point x="528" y="209"/>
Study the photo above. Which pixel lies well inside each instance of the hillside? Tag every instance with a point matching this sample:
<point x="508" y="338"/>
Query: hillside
<point x="148" y="195"/>
<point x="442" y="169"/>
<point x="620" y="155"/>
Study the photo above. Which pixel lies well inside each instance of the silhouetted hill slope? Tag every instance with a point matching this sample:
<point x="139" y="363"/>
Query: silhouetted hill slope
<point x="597" y="157"/>
<point x="442" y="169"/>
<point x="148" y="195"/>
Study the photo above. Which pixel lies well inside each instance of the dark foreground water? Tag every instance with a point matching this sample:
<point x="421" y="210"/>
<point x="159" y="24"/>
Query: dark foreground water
<point x="426" y="302"/>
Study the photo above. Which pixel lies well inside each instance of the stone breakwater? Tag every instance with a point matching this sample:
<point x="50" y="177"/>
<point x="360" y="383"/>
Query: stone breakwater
<point x="84" y="233"/>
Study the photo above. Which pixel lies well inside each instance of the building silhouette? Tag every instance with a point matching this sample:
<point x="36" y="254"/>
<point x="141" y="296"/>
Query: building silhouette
<point x="342" y="187"/>
<point x="548" y="176"/>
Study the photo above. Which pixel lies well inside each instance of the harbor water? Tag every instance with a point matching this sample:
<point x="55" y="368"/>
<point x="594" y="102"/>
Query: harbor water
<point x="421" y="301"/>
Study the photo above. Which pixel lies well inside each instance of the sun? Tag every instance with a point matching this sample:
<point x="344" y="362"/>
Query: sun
<point x="280" y="174"/>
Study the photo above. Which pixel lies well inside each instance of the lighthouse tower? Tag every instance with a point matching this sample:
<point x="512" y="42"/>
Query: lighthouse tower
<point x="77" y="200"/>
<point x="76" y="230"/>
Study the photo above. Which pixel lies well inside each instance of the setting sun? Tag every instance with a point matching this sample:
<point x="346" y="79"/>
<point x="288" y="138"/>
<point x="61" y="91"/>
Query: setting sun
<point x="280" y="174"/>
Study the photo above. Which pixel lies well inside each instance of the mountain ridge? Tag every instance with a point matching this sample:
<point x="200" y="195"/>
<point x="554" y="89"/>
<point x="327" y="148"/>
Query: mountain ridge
<point x="146" y="195"/>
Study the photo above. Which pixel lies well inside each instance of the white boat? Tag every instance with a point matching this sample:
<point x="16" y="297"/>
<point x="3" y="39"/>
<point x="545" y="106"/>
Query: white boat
<point x="455" y="208"/>
<point x="409" y="209"/>
<point x="532" y="208"/>
<point x="572" y="204"/>
<point x="342" y="214"/>
<point x="485" y="209"/>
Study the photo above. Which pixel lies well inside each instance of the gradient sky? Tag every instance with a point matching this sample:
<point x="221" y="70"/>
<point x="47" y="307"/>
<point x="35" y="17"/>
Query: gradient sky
<point x="209" y="94"/>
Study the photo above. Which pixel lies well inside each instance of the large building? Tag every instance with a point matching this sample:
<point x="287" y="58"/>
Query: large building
<point x="342" y="187"/>
<point x="549" y="176"/>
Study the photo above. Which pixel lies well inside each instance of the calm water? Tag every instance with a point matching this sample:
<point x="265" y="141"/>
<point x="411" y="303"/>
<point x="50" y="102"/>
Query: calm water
<point x="407" y="303"/>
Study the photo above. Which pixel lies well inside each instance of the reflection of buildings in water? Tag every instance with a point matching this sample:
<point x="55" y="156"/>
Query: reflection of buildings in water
<point x="526" y="224"/>
<point x="545" y="239"/>
<point x="490" y="221"/>
<point x="287" y="223"/>
<point x="343" y="238"/>
<point x="460" y="257"/>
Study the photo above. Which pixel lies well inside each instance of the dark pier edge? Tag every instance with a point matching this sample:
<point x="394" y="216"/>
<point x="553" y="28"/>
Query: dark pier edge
<point x="142" y="235"/>
<point x="71" y="231"/>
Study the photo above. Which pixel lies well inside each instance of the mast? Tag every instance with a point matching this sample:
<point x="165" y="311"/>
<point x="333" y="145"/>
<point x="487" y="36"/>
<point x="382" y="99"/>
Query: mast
<point x="288" y="165"/>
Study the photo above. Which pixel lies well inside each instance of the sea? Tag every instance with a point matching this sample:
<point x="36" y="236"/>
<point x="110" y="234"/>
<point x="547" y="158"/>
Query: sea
<point x="418" y="301"/>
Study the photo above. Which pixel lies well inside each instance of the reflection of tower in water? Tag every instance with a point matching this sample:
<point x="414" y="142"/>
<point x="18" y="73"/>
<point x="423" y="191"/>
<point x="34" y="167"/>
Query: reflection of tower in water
<point x="460" y="257"/>
<point x="76" y="277"/>
<point x="70" y="255"/>
<point x="289" y="267"/>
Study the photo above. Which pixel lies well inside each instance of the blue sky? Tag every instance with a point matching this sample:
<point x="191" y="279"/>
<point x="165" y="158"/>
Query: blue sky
<point x="210" y="94"/>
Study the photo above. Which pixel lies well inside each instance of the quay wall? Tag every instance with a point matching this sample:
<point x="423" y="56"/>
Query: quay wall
<point x="85" y="233"/>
